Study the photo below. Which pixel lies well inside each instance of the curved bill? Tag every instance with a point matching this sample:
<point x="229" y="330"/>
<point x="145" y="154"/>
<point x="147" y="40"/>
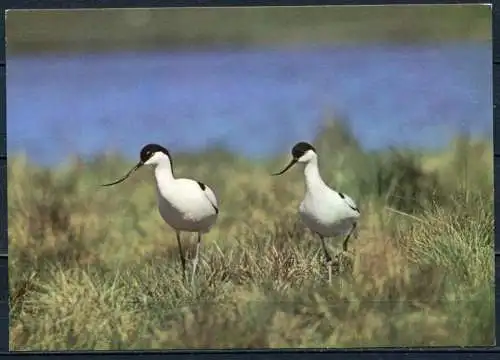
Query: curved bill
<point x="290" y="164"/>
<point x="139" y="164"/>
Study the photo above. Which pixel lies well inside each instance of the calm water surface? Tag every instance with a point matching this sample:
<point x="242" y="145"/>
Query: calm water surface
<point x="255" y="102"/>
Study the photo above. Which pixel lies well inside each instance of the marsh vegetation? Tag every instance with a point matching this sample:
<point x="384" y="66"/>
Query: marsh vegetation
<point x="96" y="268"/>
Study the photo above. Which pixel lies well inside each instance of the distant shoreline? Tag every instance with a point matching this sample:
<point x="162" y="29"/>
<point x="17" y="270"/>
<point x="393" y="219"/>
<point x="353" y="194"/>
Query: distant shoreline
<point x="139" y="29"/>
<point x="116" y="49"/>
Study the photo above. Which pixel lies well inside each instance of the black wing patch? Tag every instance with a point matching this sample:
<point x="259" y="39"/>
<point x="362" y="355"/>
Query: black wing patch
<point x="342" y="196"/>
<point x="203" y="187"/>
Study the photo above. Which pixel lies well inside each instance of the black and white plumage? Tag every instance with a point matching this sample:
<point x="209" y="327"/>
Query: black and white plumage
<point x="326" y="212"/>
<point x="186" y="205"/>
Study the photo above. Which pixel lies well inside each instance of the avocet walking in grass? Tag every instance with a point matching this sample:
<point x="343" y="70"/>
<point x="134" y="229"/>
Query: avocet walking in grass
<point x="326" y="212"/>
<point x="185" y="205"/>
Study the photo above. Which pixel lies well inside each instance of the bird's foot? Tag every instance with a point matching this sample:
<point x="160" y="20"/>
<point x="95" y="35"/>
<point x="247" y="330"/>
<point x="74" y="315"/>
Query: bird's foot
<point x="345" y="261"/>
<point x="330" y="269"/>
<point x="335" y="264"/>
<point x="340" y="263"/>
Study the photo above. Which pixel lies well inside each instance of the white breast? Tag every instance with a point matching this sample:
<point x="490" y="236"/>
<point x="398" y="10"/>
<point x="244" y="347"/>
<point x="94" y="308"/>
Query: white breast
<point x="185" y="206"/>
<point x="327" y="214"/>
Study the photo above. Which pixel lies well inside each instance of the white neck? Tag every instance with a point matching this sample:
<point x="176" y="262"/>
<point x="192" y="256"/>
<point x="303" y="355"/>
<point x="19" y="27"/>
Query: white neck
<point x="313" y="178"/>
<point x="163" y="172"/>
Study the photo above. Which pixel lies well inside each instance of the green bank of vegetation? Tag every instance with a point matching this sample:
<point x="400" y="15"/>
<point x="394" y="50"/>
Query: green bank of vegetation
<point x="95" y="268"/>
<point x="92" y="30"/>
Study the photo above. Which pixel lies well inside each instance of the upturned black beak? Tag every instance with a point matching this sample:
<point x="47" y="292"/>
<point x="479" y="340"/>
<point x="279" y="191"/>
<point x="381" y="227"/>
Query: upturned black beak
<point x="139" y="164"/>
<point x="290" y="164"/>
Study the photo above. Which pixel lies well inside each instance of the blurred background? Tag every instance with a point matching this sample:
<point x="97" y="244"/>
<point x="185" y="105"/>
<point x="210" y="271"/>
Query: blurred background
<point x="397" y="101"/>
<point x="84" y="82"/>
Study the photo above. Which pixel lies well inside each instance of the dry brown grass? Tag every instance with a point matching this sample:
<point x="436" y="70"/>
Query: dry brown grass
<point x="96" y="270"/>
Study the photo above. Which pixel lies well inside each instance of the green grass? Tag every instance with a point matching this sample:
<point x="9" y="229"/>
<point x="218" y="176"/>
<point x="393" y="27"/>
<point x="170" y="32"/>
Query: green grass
<point x="113" y="29"/>
<point x="95" y="268"/>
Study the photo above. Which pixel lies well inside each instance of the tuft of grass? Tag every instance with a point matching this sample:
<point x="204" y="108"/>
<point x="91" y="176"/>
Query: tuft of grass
<point x="92" y="269"/>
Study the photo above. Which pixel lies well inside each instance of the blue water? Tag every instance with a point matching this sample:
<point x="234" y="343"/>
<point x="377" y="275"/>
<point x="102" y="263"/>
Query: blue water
<point x="256" y="102"/>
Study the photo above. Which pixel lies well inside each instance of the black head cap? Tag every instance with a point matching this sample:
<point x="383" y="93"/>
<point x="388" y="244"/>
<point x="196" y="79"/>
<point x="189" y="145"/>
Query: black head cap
<point x="150" y="149"/>
<point x="301" y="148"/>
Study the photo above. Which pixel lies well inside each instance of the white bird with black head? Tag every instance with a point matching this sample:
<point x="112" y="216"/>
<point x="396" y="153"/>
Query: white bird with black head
<point x="326" y="212"/>
<point x="186" y="205"/>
